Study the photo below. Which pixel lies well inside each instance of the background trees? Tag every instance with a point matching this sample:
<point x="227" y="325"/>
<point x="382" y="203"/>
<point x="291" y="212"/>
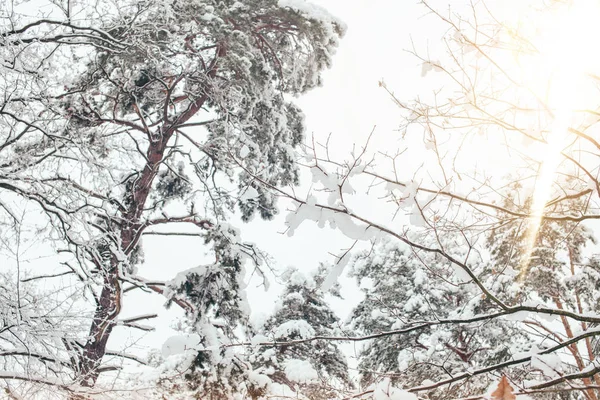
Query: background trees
<point x="403" y="288"/>
<point x="318" y="369"/>
<point x="494" y="221"/>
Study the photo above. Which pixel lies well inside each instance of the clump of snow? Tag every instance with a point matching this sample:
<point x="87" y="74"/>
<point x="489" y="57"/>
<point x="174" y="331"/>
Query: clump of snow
<point x="181" y="277"/>
<point x="180" y="344"/>
<point x="258" y="339"/>
<point x="299" y="371"/>
<point x="419" y="277"/>
<point x="328" y="180"/>
<point x="312" y="11"/>
<point x="299" y="326"/>
<point x="295" y="297"/>
<point x="549" y="364"/>
<point x="385" y="391"/>
<point x="244" y="151"/>
<point x="430" y="66"/>
<point x="295" y="277"/>
<point x="211" y="338"/>
<point x="416" y="217"/>
<point x="407" y="190"/>
<point x="518" y="316"/>
<point x="337" y="220"/>
<point x="461" y="274"/>
<point x="249" y="194"/>
<point x="390" y="186"/>
<point x="335" y="273"/>
<point x="259" y="379"/>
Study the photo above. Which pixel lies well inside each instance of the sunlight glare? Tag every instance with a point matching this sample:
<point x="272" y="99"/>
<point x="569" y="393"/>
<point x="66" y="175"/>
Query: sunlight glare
<point x="561" y="67"/>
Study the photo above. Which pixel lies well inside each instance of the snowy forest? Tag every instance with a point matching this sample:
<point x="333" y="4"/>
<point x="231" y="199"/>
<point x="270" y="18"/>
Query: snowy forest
<point x="291" y="199"/>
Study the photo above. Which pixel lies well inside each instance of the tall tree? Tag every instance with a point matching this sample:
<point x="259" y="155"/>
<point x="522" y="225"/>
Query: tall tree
<point x="559" y="274"/>
<point x="316" y="369"/>
<point x="404" y="288"/>
<point x="122" y="116"/>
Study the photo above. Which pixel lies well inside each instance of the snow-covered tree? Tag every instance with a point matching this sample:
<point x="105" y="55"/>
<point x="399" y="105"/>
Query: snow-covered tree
<point x="492" y="194"/>
<point x="120" y="117"/>
<point x="316" y="369"/>
<point x="403" y="288"/>
<point x="559" y="274"/>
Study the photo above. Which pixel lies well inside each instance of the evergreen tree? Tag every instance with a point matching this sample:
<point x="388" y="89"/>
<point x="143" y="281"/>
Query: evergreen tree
<point x="149" y="113"/>
<point x="316" y="369"/>
<point x="547" y="265"/>
<point x="404" y="288"/>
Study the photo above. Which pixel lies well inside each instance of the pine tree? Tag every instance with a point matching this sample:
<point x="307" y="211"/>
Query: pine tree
<point x="150" y="113"/>
<point x="547" y="265"/>
<point x="303" y="313"/>
<point x="404" y="288"/>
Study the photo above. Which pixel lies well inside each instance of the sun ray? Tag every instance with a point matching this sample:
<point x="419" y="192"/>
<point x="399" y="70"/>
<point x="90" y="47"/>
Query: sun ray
<point x="560" y="71"/>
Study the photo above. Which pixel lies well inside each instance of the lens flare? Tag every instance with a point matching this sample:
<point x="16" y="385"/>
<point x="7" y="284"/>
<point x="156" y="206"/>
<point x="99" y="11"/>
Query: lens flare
<point x="560" y="71"/>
